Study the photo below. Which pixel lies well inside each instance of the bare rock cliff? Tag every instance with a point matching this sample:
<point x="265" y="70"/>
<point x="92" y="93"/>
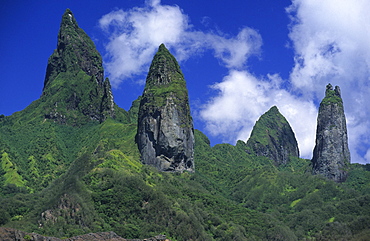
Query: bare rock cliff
<point x="165" y="135"/>
<point x="331" y="155"/>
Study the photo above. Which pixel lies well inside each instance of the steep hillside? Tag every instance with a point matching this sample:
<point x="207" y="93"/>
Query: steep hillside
<point x="41" y="141"/>
<point x="74" y="87"/>
<point x="83" y="172"/>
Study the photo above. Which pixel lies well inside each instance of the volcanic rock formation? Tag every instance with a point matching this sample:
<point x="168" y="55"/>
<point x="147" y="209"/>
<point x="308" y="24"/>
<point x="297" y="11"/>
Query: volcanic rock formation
<point x="331" y="154"/>
<point x="165" y="135"/>
<point x="273" y="137"/>
<point x="74" y="88"/>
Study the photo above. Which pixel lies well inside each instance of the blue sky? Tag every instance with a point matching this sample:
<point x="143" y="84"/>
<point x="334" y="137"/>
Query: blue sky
<point x="239" y="57"/>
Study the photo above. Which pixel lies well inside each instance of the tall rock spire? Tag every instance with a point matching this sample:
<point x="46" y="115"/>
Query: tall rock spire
<point x="273" y="137"/>
<point x="165" y="135"/>
<point x="74" y="83"/>
<point x="331" y="154"/>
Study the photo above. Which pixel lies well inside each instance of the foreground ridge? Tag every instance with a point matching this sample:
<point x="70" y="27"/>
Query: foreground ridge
<point x="10" y="234"/>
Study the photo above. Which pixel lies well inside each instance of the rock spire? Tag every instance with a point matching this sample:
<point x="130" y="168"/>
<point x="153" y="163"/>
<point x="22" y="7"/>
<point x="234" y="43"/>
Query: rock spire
<point x="165" y="135"/>
<point x="74" y="84"/>
<point x="273" y="137"/>
<point x="331" y="154"/>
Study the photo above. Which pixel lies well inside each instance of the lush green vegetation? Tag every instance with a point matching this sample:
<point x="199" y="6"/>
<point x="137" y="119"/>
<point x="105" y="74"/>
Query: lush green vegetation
<point x="331" y="97"/>
<point x="270" y="124"/>
<point x="273" y="137"/>
<point x="83" y="179"/>
<point x="75" y="51"/>
<point x="84" y="175"/>
<point x="165" y="85"/>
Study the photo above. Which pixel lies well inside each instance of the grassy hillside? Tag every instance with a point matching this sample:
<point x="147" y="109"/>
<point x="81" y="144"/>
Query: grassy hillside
<point x="69" y="165"/>
<point x="68" y="180"/>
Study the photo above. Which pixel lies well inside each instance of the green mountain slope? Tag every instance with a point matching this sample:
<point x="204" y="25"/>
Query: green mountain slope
<point x="273" y="137"/>
<point x="85" y="175"/>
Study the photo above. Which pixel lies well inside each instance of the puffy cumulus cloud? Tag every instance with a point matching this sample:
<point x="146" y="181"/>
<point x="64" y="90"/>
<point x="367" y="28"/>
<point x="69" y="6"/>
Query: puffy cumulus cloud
<point x="242" y="99"/>
<point x="330" y="40"/>
<point x="135" y="34"/>
<point x="331" y="43"/>
<point x="234" y="52"/>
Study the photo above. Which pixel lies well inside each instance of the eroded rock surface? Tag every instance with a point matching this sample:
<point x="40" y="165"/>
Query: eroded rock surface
<point x="165" y="134"/>
<point x="331" y="155"/>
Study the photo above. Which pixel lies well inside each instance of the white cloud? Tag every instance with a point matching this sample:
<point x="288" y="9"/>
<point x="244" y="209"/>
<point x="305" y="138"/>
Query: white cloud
<point x="330" y="40"/>
<point x="234" y="52"/>
<point x="135" y="35"/>
<point x="242" y="99"/>
<point x="331" y="43"/>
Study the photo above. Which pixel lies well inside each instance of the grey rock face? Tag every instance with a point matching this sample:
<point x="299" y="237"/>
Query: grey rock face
<point x="165" y="136"/>
<point x="331" y="154"/>
<point x="273" y="137"/>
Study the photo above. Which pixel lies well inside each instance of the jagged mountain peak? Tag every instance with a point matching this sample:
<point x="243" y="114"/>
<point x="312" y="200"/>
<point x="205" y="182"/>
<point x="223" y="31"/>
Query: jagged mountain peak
<point x="164" y="69"/>
<point x="64" y="181"/>
<point x="74" y="87"/>
<point x="332" y="96"/>
<point x="165" y="134"/>
<point x="273" y="137"/>
<point x="68" y="20"/>
<point x="331" y="154"/>
<point x="75" y="52"/>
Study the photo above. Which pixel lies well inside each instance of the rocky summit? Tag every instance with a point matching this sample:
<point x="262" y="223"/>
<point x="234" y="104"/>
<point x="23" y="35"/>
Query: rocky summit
<point x="165" y="135"/>
<point x="74" y="86"/>
<point x="273" y="137"/>
<point x="331" y="155"/>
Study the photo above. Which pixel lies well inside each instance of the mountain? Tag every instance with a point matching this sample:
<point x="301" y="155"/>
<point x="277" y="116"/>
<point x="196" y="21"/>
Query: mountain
<point x="165" y="134"/>
<point x="74" y="87"/>
<point x="82" y="175"/>
<point x="41" y="139"/>
<point x="273" y="137"/>
<point x="331" y="155"/>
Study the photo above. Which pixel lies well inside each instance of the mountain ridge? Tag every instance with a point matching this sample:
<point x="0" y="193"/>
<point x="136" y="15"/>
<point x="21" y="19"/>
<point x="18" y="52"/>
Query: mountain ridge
<point x="85" y="176"/>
